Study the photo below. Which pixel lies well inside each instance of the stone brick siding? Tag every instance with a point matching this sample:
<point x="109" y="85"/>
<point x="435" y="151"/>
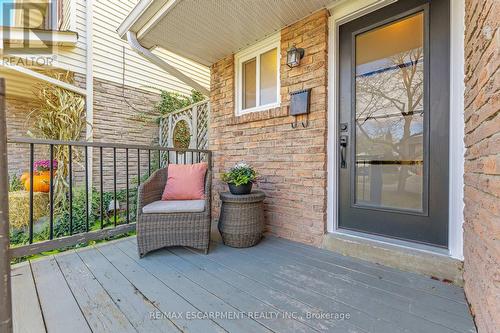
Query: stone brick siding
<point x="17" y="111"/>
<point x="482" y="163"/>
<point x="291" y="162"/>
<point x="18" y="125"/>
<point x="116" y="121"/>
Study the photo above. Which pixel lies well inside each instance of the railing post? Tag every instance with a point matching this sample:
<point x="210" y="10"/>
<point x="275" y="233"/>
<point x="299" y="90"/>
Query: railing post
<point x="5" y="291"/>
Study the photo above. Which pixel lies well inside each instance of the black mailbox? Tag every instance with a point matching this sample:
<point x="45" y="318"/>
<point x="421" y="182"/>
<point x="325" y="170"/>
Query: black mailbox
<point x="299" y="102"/>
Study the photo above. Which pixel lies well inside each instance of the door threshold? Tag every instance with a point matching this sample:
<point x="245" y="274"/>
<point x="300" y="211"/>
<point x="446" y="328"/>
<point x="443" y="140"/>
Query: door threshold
<point x="396" y="242"/>
<point x="407" y="256"/>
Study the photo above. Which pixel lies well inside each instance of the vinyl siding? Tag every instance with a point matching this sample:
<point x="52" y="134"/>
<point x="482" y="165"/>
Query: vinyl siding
<point x="74" y="59"/>
<point x="109" y="48"/>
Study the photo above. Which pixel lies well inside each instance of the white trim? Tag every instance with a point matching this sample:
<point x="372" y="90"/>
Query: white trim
<point x="254" y="51"/>
<point x="457" y="146"/>
<point x="72" y="18"/>
<point x="140" y="8"/>
<point x="89" y="85"/>
<point x="333" y="120"/>
<point x="345" y="11"/>
<point x="42" y="77"/>
<point x="89" y="76"/>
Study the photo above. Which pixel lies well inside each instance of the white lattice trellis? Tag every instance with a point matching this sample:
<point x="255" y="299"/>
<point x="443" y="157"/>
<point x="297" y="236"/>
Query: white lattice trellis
<point x="197" y="117"/>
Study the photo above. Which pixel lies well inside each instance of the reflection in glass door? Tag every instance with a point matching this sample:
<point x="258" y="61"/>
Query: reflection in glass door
<point x="389" y="115"/>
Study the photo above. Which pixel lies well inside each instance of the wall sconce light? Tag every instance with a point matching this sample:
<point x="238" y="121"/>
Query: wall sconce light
<point x="293" y="56"/>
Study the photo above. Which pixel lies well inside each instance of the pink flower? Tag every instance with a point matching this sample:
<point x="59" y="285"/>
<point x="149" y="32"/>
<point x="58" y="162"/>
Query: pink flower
<point x="44" y="165"/>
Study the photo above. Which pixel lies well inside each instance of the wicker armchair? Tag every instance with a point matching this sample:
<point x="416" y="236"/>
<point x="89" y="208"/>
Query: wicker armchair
<point x="158" y="230"/>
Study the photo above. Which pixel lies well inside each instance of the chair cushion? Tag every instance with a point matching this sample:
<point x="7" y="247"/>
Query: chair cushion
<point x="185" y="182"/>
<point x="174" y="206"/>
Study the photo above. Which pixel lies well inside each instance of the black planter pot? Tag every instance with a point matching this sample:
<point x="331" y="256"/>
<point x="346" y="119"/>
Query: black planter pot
<point x="240" y="189"/>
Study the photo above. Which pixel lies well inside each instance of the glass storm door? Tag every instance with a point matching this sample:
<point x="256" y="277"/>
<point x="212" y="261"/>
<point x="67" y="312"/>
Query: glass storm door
<point x="394" y="112"/>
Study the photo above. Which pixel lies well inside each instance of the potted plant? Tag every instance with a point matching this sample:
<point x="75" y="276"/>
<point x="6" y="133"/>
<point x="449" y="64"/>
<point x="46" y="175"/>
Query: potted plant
<point x="240" y="178"/>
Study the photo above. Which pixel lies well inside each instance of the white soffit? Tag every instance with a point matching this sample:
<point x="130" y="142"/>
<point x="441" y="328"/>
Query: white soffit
<point x="207" y="31"/>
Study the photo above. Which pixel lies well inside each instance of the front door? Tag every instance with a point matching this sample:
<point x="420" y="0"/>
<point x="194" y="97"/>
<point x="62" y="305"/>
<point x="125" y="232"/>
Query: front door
<point x="394" y="122"/>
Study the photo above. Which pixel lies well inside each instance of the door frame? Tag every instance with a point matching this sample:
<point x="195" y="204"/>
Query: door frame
<point x="345" y="11"/>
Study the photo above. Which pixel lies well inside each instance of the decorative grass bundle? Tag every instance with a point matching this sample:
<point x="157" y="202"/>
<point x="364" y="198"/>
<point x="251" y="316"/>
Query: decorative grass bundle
<point x="59" y="115"/>
<point x="19" y="207"/>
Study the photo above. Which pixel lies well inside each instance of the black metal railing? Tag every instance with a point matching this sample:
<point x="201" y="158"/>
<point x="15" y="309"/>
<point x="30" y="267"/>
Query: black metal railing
<point x="99" y="229"/>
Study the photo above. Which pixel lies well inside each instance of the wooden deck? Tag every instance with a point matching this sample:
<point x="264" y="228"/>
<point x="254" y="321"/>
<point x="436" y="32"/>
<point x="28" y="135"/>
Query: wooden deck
<point x="277" y="286"/>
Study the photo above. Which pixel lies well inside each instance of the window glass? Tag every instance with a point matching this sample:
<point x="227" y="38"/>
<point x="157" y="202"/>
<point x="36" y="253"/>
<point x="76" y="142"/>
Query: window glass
<point x="268" y="72"/>
<point x="249" y="84"/>
<point x="390" y="115"/>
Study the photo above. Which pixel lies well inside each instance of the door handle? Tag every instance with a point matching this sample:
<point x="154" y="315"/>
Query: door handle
<point x="343" y="151"/>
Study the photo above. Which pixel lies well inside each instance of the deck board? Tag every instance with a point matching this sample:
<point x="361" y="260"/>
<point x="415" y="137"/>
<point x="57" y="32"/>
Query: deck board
<point x="360" y="317"/>
<point x="131" y="302"/>
<point x="387" y="307"/>
<point x="406" y="279"/>
<point x="240" y="300"/>
<point x="60" y="309"/>
<point x="101" y="312"/>
<point x="25" y="303"/>
<point x="193" y="293"/>
<point x="432" y="307"/>
<point x="192" y="263"/>
<point x="157" y="292"/>
<point x="107" y="288"/>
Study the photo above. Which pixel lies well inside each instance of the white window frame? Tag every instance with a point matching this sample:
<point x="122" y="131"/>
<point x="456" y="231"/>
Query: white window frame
<point x="240" y="58"/>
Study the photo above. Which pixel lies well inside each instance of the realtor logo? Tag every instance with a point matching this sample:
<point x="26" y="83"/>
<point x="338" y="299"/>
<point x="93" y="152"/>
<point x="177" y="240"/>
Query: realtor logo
<point x="27" y="27"/>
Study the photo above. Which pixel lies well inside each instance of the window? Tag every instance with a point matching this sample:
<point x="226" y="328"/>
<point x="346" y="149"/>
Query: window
<point x="257" y="76"/>
<point x="31" y="14"/>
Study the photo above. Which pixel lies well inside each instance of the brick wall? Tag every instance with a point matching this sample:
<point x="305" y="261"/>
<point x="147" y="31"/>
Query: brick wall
<point x="116" y="121"/>
<point x="18" y="125"/>
<point x="291" y="162"/>
<point x="482" y="163"/>
<point x="17" y="111"/>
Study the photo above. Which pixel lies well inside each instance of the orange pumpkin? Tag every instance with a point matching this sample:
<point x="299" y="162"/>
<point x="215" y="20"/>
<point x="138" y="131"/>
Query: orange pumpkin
<point x="41" y="181"/>
<point x="24" y="177"/>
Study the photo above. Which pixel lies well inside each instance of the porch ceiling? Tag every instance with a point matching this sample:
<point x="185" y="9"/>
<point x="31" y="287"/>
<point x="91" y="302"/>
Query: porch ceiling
<point x="207" y="31"/>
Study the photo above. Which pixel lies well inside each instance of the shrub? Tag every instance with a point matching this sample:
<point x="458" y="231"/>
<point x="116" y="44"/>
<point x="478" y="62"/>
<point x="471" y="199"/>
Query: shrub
<point x="61" y="228"/>
<point x="62" y="220"/>
<point x="15" y="184"/>
<point x="170" y="101"/>
<point x="19" y="231"/>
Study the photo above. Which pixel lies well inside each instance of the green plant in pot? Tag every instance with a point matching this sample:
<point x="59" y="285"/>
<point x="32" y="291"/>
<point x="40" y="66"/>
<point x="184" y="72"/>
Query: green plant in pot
<point x="240" y="178"/>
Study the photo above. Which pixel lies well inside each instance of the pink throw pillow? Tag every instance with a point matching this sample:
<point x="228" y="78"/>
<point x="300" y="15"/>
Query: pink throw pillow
<point x="185" y="182"/>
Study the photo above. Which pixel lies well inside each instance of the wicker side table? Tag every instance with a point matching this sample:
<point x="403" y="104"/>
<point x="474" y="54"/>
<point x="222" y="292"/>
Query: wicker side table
<point x="241" y="221"/>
